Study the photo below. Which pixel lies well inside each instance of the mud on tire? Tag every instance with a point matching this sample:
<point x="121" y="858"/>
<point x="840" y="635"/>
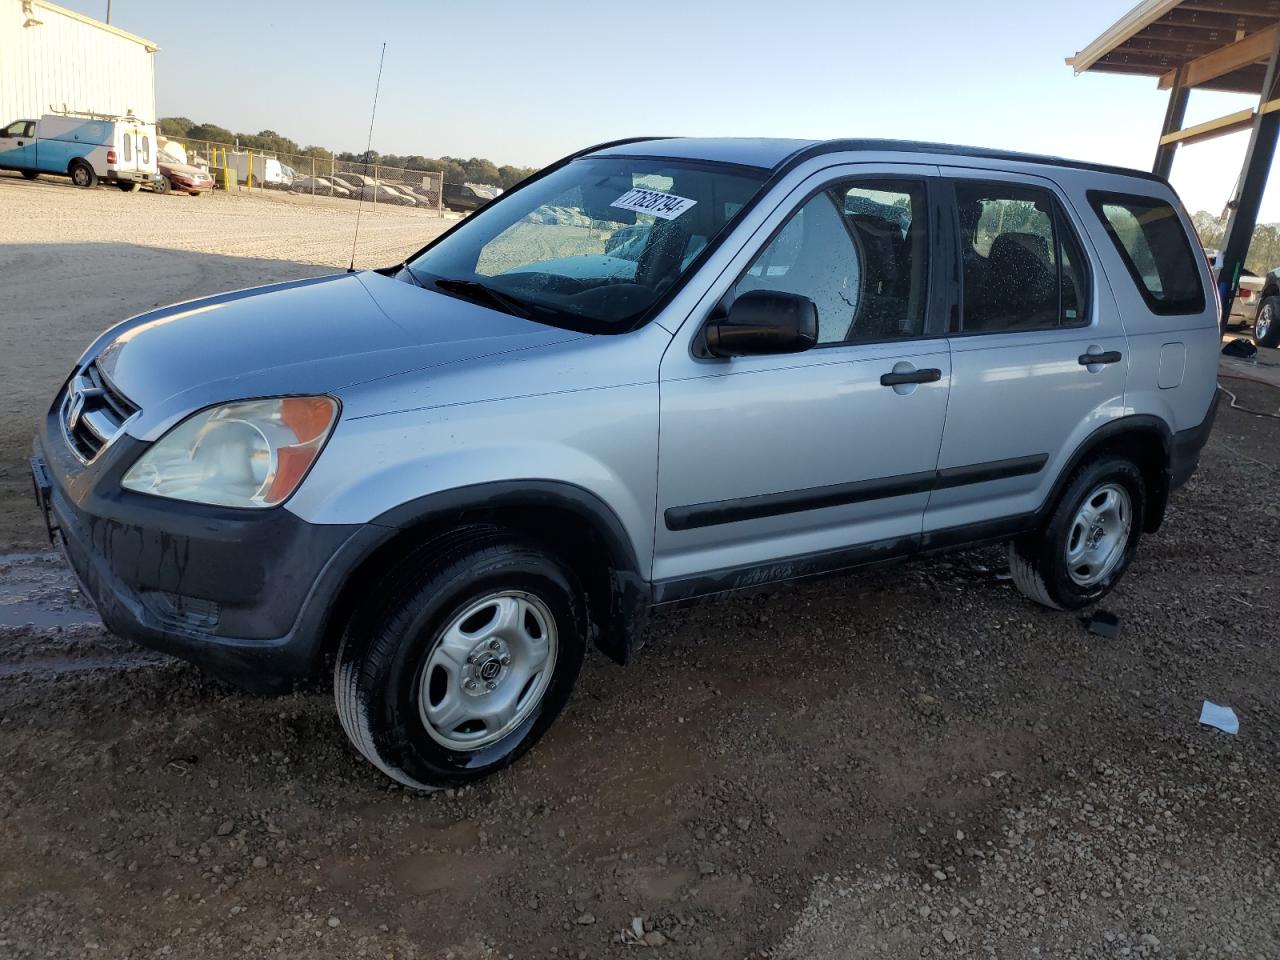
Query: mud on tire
<point x="1050" y="566"/>
<point x="395" y="671"/>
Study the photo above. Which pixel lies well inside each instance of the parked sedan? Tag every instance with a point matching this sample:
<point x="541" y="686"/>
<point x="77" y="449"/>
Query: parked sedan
<point x="1257" y="303"/>
<point x="176" y="175"/>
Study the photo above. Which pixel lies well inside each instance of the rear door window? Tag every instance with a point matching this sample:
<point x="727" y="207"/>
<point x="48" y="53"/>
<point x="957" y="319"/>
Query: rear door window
<point x="1154" y="247"/>
<point x="1023" y="266"/>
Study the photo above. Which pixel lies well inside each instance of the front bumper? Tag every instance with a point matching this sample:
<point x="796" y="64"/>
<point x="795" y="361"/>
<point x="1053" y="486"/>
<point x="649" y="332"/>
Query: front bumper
<point x="245" y="594"/>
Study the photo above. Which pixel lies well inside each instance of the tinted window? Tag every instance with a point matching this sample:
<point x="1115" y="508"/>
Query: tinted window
<point x="1154" y="246"/>
<point x="860" y="252"/>
<point x="1023" y="267"/>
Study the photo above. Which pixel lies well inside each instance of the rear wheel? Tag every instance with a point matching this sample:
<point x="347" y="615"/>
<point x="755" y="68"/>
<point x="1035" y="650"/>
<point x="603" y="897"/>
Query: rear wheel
<point x="1089" y="540"/>
<point x="464" y="662"/>
<point x="82" y="174"/>
<point x="1266" y="328"/>
<point x="29" y="174"/>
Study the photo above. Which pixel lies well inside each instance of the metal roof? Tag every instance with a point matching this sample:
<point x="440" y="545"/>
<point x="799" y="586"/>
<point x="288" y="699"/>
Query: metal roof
<point x="1226" y="41"/>
<point x="150" y="45"/>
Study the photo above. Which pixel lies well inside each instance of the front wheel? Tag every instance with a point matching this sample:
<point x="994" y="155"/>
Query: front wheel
<point x="465" y="663"/>
<point x="1266" y="328"/>
<point x="1089" y="540"/>
<point x="29" y="174"/>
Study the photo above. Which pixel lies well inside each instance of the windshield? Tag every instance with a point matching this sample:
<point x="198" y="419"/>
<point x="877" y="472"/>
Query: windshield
<point x="593" y="245"/>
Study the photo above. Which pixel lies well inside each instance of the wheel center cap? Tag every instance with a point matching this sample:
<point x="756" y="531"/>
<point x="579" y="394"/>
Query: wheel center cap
<point x="490" y="668"/>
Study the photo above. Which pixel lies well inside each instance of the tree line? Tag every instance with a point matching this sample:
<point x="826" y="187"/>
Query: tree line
<point x="455" y="169"/>
<point x="1264" y="248"/>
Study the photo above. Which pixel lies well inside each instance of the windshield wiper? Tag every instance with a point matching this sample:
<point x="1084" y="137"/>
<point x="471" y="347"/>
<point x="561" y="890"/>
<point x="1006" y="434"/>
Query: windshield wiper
<point x="474" y="291"/>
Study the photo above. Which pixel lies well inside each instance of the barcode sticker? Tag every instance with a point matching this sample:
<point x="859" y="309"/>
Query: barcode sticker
<point x="665" y="206"/>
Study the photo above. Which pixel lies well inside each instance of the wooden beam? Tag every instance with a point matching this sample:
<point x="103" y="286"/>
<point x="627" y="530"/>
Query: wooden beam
<point x="1232" y="122"/>
<point x="1244" y="8"/>
<point x="1216" y="21"/>
<point x="1252" y="49"/>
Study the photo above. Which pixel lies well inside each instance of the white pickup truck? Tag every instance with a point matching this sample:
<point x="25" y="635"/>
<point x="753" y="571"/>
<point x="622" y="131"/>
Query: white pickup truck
<point x="88" y="148"/>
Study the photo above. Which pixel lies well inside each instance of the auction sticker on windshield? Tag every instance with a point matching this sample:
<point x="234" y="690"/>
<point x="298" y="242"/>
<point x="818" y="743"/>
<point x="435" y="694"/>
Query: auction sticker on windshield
<point x="666" y="206"/>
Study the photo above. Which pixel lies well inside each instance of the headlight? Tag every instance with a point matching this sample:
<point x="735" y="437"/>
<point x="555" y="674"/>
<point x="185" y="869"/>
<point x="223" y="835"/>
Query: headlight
<point x="253" y="453"/>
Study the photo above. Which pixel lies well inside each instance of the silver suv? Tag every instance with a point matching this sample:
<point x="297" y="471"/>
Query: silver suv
<point x="658" y="371"/>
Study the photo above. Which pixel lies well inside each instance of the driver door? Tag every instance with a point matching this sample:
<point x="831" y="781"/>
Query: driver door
<point x="18" y="145"/>
<point x="773" y="467"/>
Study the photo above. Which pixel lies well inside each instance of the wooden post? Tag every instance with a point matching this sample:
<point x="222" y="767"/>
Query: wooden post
<point x="1173" y="116"/>
<point x="1253" y="181"/>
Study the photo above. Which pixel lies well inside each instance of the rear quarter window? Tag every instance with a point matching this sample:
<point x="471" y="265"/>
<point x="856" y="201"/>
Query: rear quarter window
<point x="1154" y="246"/>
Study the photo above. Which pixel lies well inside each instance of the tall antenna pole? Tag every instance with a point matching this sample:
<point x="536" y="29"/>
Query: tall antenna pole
<point x="367" y="151"/>
<point x="108" y="11"/>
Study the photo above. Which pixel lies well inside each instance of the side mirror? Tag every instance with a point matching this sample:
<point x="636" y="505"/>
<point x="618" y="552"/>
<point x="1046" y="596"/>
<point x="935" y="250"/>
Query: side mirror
<point x="763" y="322"/>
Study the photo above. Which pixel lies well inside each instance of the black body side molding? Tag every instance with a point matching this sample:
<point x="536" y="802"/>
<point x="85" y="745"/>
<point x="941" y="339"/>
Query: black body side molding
<point x="859" y="491"/>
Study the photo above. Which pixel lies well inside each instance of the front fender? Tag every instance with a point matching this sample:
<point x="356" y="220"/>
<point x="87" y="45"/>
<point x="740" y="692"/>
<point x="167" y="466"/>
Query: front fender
<point x="603" y="442"/>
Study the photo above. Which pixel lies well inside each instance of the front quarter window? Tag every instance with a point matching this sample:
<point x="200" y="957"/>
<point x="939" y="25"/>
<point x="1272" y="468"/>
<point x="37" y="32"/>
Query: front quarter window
<point x="594" y="245"/>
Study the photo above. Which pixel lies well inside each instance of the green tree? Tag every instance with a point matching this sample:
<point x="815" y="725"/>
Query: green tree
<point x="173" y="126"/>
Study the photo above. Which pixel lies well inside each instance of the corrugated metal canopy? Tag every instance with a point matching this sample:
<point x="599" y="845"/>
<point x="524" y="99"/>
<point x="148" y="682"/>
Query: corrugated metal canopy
<point x="1224" y="44"/>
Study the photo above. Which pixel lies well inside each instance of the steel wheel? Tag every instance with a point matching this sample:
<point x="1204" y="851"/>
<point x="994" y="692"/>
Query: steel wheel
<point x="1099" y="533"/>
<point x="487" y="670"/>
<point x="81" y="175"/>
<point x="1262" y="326"/>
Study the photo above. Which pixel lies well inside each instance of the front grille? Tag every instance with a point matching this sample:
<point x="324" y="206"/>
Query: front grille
<point x="93" y="412"/>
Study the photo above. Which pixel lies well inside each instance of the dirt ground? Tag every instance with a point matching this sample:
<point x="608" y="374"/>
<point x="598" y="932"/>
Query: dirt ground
<point x="911" y="761"/>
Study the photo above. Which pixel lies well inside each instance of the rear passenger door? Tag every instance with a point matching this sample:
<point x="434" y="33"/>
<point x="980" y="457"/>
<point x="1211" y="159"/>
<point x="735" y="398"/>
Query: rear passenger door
<point x="1029" y="313"/>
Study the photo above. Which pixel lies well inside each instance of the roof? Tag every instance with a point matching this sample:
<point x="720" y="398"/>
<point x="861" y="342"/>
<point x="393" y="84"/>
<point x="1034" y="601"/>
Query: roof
<point x="777" y="154"/>
<point x="1223" y="43"/>
<point x="151" y="45"/>
<point x="763" y="152"/>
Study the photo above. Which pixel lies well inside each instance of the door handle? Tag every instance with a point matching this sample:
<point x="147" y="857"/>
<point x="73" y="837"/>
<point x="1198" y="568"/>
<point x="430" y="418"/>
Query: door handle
<point x="1109" y="356"/>
<point x="925" y="375"/>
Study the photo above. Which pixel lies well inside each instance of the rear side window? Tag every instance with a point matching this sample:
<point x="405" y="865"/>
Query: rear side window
<point x="1154" y="246"/>
<point x="1023" y="267"/>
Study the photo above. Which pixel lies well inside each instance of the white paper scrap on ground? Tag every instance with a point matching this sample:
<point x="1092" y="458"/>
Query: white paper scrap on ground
<point x="1224" y="718"/>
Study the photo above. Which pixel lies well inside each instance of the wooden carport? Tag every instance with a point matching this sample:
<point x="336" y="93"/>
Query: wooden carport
<point x="1229" y="45"/>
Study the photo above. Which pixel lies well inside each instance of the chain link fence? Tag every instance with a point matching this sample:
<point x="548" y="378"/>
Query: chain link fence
<point x="233" y="168"/>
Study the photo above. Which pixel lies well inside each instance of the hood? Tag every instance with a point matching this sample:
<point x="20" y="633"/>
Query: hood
<point x="305" y="336"/>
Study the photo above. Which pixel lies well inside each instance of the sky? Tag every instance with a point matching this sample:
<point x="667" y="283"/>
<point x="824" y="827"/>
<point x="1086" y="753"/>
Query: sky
<point x="526" y="83"/>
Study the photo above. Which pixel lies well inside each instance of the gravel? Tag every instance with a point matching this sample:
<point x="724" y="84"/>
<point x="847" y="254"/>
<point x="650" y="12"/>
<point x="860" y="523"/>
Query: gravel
<point x="911" y="761"/>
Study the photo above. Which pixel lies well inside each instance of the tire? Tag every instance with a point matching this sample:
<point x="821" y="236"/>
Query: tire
<point x="488" y="594"/>
<point x="1266" y="327"/>
<point x="1057" y="567"/>
<point x="163" y="185"/>
<point x="82" y="174"/>
<point x="252" y="182"/>
<point x="29" y="174"/>
<point x="129" y="187"/>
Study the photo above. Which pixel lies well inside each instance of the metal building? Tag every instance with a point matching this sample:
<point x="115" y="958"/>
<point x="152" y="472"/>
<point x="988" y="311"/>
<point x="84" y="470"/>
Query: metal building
<point x="1187" y="45"/>
<point x="53" y="58"/>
